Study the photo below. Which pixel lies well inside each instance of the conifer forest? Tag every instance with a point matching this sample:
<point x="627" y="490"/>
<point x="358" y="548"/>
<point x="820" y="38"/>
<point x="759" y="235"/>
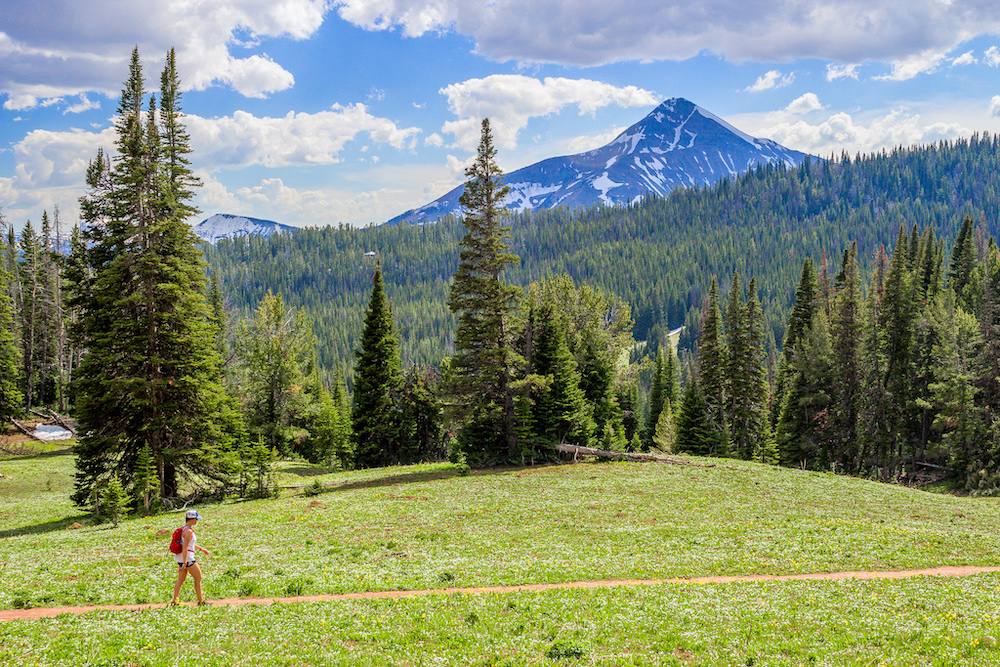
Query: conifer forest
<point x="840" y="316"/>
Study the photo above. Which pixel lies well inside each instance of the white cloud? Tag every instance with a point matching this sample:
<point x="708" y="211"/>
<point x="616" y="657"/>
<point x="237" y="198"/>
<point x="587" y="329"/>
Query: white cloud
<point x="20" y="102"/>
<point x="834" y="72"/>
<point x="84" y="104"/>
<point x="50" y="167"/>
<point x="804" y="104"/>
<point x="85" y="46"/>
<point x="992" y="56"/>
<point x="841" y="132"/>
<point x="297" y="139"/>
<point x="769" y="81"/>
<point x="995" y="106"/>
<point x="590" y="142"/>
<point x="910" y="66"/>
<point x="592" y="32"/>
<point x="511" y="100"/>
<point x="965" y="59"/>
<point x="434" y="140"/>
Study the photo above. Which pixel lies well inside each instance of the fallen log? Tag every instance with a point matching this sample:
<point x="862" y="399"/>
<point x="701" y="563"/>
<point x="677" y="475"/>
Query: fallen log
<point x="62" y="422"/>
<point x="576" y="450"/>
<point x="25" y="431"/>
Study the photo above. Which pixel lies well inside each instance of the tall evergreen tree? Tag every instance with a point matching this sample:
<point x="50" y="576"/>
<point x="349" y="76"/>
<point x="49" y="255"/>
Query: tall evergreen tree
<point x="713" y="360"/>
<point x="150" y="377"/>
<point x="748" y="387"/>
<point x="656" y="398"/>
<point x="846" y="332"/>
<point x="963" y="262"/>
<point x="483" y="366"/>
<point x="561" y="411"/>
<point x="694" y="433"/>
<point x="377" y="383"/>
<point x="11" y="399"/>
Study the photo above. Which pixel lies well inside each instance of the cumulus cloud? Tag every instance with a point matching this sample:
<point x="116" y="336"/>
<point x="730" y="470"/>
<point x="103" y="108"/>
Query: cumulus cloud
<point x="84" y="47"/>
<point x="85" y="104"/>
<point x="511" y="100"/>
<point x="50" y="166"/>
<point x="274" y="199"/>
<point x="771" y="80"/>
<point x="593" y="32"/>
<point x="842" y="132"/>
<point x="834" y="72"/>
<point x="804" y="104"/>
<point x="995" y="106"/>
<point x="992" y="56"/>
<point x="965" y="59"/>
<point x="909" y="67"/>
<point x="297" y="139"/>
<point x="590" y="142"/>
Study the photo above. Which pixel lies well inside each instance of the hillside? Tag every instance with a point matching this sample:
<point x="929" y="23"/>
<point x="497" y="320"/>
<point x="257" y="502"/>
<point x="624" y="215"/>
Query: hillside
<point x="659" y="254"/>
<point x="424" y="527"/>
<point x="677" y="144"/>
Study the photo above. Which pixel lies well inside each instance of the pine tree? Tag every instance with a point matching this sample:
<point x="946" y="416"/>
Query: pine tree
<point x="422" y="425"/>
<point x="713" y="360"/>
<point x="11" y="399"/>
<point x="377" y="383"/>
<point x="694" y="434"/>
<point x="561" y="411"/>
<point x="656" y="399"/>
<point x="798" y="322"/>
<point x="963" y="262"/>
<point x="846" y="332"/>
<point x="748" y="387"/>
<point x="150" y="376"/>
<point x="484" y="361"/>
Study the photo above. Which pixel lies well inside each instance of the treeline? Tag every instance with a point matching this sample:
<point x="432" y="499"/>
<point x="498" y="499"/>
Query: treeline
<point x="657" y="254"/>
<point x="887" y="378"/>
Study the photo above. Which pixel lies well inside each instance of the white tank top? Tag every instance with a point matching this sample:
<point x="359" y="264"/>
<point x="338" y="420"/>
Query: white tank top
<point x="190" y="554"/>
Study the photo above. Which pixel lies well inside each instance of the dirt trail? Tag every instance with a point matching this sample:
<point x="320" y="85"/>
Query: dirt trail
<point x="945" y="571"/>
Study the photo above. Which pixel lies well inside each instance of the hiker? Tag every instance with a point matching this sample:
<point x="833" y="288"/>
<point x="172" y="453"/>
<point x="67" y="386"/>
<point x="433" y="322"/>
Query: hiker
<point x="185" y="559"/>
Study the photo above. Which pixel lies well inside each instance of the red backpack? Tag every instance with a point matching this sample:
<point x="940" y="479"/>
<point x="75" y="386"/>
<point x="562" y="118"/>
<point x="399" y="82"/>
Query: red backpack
<point x="176" y="542"/>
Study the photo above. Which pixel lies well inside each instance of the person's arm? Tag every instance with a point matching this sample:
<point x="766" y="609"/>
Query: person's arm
<point x="185" y="545"/>
<point x="203" y="550"/>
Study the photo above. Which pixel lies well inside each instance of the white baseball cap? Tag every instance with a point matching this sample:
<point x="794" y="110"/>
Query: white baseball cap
<point x="193" y="514"/>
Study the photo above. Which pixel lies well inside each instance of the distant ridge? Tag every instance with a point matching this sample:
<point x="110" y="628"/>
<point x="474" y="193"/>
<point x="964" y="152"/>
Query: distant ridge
<point x="678" y="143"/>
<point x="226" y="226"/>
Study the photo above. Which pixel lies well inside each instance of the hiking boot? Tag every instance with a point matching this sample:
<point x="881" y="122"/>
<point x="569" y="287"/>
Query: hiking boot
<point x="174" y="602"/>
<point x="204" y="603"/>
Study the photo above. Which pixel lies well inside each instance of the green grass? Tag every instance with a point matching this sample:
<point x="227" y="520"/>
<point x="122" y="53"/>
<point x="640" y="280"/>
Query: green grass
<point x="426" y="527"/>
<point x="928" y="621"/>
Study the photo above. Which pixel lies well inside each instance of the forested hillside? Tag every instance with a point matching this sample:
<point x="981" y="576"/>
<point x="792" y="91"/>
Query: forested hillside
<point x="658" y="254"/>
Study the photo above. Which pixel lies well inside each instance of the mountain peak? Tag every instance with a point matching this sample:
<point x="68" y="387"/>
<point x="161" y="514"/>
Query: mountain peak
<point x="676" y="144"/>
<point x="227" y="226"/>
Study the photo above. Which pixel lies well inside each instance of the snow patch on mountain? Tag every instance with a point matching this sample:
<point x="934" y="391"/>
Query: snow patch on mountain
<point x="225" y="226"/>
<point x="678" y="143"/>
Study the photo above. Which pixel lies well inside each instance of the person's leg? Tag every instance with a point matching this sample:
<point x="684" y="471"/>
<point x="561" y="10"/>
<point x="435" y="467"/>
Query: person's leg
<point x="181" y="575"/>
<point x="195" y="571"/>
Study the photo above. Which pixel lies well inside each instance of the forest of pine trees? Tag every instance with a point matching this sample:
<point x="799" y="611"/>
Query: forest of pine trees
<point x="498" y="337"/>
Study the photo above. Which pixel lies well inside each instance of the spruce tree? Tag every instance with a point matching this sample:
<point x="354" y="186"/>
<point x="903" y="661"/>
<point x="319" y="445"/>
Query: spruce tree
<point x="561" y="411"/>
<point x="694" y="434"/>
<point x="11" y="399"/>
<point x="377" y="383"/>
<point x="846" y="331"/>
<point x="713" y="360"/>
<point x="748" y="387"/>
<point x="150" y="377"/>
<point x="656" y="399"/>
<point x="484" y="362"/>
<point x="963" y="262"/>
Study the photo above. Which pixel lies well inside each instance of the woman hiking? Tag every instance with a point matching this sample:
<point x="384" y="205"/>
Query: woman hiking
<point x="185" y="559"/>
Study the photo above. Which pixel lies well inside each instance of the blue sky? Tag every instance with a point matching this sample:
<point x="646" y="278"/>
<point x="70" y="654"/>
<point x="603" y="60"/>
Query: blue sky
<point x="313" y="112"/>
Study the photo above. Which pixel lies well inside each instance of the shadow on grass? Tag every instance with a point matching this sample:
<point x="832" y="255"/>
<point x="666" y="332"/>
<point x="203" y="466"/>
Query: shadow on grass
<point x="307" y="471"/>
<point x="413" y="477"/>
<point x="47" y="527"/>
<point x="32" y="454"/>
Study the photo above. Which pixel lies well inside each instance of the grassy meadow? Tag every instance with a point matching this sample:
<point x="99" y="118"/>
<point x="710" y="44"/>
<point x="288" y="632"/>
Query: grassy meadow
<point x="424" y="527"/>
